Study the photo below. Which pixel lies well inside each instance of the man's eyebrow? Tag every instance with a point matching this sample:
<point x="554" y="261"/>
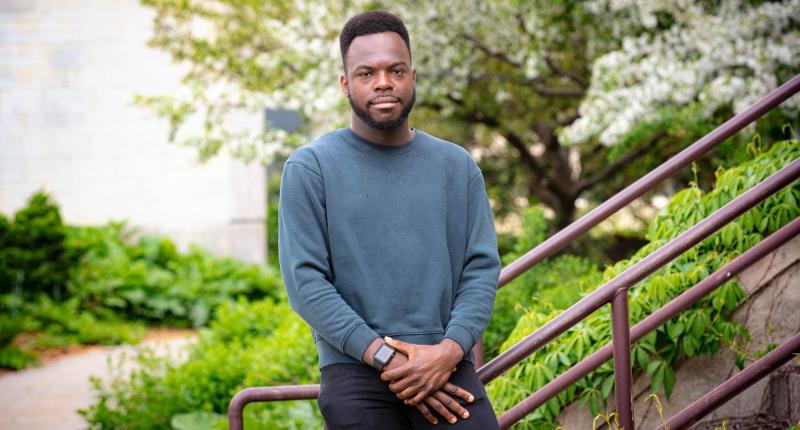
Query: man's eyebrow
<point x="395" y="64"/>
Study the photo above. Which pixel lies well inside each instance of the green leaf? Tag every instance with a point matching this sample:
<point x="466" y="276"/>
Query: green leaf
<point x="608" y="384"/>
<point x="652" y="367"/>
<point x="669" y="381"/>
<point x="674" y="330"/>
<point x="688" y="344"/>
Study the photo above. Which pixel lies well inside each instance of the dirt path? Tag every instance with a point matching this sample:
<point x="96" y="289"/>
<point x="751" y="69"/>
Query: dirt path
<point x="46" y="397"/>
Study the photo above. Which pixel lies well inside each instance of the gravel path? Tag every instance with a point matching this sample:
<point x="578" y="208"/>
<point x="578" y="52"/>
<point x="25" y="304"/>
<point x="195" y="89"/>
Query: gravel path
<point x="46" y="397"/>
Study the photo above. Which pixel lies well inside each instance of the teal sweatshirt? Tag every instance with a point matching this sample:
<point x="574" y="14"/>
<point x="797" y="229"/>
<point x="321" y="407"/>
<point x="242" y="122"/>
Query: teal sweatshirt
<point x="386" y="241"/>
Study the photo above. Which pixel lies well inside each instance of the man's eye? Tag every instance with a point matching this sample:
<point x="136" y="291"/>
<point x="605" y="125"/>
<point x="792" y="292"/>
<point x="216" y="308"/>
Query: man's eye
<point x="398" y="71"/>
<point x="365" y="74"/>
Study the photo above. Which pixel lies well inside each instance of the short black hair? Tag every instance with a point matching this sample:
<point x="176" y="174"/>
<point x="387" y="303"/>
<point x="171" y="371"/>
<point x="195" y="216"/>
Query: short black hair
<point x="376" y="21"/>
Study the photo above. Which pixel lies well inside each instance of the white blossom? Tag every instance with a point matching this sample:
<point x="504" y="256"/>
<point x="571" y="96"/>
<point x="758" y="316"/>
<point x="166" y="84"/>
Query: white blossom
<point x="729" y="56"/>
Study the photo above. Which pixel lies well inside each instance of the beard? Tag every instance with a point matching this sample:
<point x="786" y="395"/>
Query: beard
<point x="388" y="125"/>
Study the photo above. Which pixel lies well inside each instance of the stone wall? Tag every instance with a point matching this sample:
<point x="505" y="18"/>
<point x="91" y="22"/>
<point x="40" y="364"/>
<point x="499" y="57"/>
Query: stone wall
<point x="68" y="74"/>
<point x="771" y="315"/>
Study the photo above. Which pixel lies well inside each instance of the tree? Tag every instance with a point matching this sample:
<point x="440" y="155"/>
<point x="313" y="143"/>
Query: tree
<point x="557" y="100"/>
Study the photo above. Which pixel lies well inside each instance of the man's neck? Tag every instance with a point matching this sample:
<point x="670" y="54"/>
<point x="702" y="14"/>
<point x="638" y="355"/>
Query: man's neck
<point x="399" y="136"/>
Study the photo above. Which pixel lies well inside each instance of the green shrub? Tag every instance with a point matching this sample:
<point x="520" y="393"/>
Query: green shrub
<point x="247" y="344"/>
<point x="33" y="258"/>
<point x="703" y="328"/>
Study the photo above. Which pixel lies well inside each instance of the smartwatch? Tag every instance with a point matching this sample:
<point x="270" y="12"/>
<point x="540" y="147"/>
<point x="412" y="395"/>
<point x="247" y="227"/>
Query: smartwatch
<point x="382" y="356"/>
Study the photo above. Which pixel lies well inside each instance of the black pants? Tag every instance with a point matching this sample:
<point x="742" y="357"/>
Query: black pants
<point x="353" y="396"/>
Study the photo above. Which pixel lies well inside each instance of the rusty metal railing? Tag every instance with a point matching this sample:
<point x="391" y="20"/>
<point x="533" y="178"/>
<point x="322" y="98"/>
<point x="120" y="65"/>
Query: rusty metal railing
<point x="615" y="291"/>
<point x="657" y="318"/>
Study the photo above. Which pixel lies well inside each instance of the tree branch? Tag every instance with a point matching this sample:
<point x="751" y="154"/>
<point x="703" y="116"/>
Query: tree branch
<point x="616" y="166"/>
<point x="559" y="92"/>
<point x="554" y="153"/>
<point x="563" y="72"/>
<point x="537" y="82"/>
<point x="489" y="51"/>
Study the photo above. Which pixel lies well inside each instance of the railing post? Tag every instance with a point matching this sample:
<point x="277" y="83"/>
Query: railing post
<point x="620" y="331"/>
<point x="477" y="351"/>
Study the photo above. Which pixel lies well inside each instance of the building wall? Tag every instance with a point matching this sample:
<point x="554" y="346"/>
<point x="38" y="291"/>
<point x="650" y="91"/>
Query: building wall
<point x="69" y="70"/>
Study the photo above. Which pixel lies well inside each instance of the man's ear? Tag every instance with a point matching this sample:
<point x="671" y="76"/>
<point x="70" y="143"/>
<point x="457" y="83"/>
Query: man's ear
<point x="414" y="75"/>
<point x="344" y="85"/>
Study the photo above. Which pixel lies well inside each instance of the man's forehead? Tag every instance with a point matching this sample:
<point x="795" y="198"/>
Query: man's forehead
<point x="377" y="48"/>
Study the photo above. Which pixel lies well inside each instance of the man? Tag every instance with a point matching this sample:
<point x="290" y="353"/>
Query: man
<point x="388" y="251"/>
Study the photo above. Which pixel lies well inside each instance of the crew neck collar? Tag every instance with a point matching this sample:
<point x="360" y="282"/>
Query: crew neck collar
<point x="362" y="143"/>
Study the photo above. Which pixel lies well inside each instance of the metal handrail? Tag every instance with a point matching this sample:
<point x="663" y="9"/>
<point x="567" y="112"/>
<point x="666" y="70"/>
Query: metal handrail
<point x="615" y="291"/>
<point x="266" y="394"/>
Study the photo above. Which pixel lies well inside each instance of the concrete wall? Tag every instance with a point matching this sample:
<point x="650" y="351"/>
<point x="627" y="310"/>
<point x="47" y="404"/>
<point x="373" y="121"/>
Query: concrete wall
<point x="68" y="74"/>
<point x="771" y="315"/>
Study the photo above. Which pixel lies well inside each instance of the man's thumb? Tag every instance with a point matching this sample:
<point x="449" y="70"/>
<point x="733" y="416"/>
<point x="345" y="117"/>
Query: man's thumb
<point x="397" y="344"/>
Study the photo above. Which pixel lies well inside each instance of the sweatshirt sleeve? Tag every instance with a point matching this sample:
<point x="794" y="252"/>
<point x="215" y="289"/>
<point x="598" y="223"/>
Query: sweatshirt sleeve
<point x="305" y="262"/>
<point x="477" y="286"/>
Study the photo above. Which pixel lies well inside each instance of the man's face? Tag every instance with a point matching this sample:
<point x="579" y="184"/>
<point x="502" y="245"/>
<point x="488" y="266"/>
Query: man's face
<point x="379" y="81"/>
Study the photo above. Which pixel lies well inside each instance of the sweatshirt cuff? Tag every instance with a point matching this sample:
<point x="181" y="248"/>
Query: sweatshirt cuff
<point x="462" y="336"/>
<point x="358" y="341"/>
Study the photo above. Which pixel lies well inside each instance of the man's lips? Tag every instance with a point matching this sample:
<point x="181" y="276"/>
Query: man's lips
<point x="385" y="102"/>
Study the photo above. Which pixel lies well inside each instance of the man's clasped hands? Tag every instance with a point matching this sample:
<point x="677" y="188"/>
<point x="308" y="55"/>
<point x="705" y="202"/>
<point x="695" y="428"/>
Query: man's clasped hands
<point x="419" y="374"/>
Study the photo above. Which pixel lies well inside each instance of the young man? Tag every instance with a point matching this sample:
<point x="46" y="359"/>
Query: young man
<point x="388" y="251"/>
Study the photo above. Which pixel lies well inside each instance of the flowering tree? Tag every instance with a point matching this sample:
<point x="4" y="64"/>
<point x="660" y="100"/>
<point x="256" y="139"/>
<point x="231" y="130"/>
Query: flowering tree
<point x="557" y="100"/>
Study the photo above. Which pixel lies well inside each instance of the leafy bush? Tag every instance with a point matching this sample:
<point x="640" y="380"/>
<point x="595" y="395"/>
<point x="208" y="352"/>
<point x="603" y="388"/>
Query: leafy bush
<point x="247" y="344"/>
<point x="151" y="281"/>
<point x="703" y="328"/>
<point x="33" y="257"/>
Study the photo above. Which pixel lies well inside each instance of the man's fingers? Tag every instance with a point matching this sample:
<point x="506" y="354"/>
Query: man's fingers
<point x="426" y="413"/>
<point x="439" y="407"/>
<point x="396" y="373"/>
<point x="420" y="396"/>
<point x="399" y="345"/>
<point x="407" y="394"/>
<point x="451" y="404"/>
<point x="455" y="390"/>
<point x="400" y="385"/>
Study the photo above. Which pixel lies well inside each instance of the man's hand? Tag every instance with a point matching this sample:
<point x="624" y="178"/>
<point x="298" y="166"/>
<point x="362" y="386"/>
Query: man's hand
<point x="427" y="370"/>
<point x="443" y="402"/>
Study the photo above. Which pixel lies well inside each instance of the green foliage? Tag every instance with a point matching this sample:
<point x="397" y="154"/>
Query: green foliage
<point x="247" y="344"/>
<point x="33" y="257"/>
<point x="151" y="281"/>
<point x="49" y="324"/>
<point x="557" y="282"/>
<point x="701" y="329"/>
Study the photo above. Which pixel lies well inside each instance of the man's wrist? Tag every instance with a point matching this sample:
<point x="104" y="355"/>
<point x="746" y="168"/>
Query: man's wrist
<point x="370" y="351"/>
<point x="454" y="349"/>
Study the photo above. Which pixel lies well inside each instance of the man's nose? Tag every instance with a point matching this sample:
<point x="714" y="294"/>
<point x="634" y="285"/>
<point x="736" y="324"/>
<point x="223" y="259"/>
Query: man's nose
<point x="383" y="81"/>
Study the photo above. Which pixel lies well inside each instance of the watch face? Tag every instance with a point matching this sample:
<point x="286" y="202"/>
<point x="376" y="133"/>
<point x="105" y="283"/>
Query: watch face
<point x="384" y="353"/>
